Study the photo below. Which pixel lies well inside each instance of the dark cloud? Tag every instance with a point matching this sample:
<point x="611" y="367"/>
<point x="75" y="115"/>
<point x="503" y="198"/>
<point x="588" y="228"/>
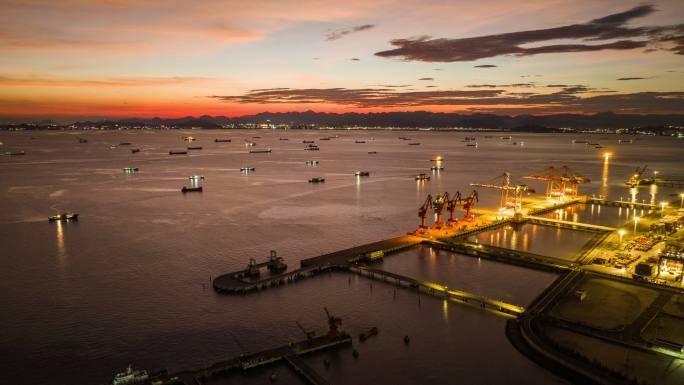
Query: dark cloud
<point x="427" y="79"/>
<point x="485" y="66"/>
<point x="355" y="59"/>
<point x="607" y="33"/>
<point x="557" y="85"/>
<point x="500" y="85"/>
<point x="340" y="33"/>
<point x="634" y="78"/>
<point x="431" y="86"/>
<point x="577" y="98"/>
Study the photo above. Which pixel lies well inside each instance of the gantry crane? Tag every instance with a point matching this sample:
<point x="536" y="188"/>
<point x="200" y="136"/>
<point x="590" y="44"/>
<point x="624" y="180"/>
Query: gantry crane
<point x="505" y="186"/>
<point x="560" y="182"/>
<point x="468" y="204"/>
<point x="451" y="206"/>
<point x="439" y="204"/>
<point x="423" y="210"/>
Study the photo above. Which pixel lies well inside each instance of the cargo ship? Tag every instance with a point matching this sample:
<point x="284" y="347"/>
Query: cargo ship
<point x="222" y="140"/>
<point x="362" y="173"/>
<point x="422" y="177"/>
<point x="195" y="148"/>
<point x="247" y="169"/>
<point x="266" y="150"/>
<point x="177" y="152"/>
<point x="196" y="177"/>
<point x="135" y="150"/>
<point x="316" y="180"/>
<point x="414" y="144"/>
<point x="130" y="169"/>
<point x="312" y="162"/>
<point x="437" y="168"/>
<point x="187" y="189"/>
<point x="14" y="153"/>
<point x="311" y="147"/>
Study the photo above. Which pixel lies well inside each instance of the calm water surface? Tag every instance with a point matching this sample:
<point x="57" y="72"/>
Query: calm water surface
<point x="129" y="282"/>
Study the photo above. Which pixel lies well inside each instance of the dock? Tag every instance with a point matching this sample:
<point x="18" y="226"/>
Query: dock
<point x="626" y="204"/>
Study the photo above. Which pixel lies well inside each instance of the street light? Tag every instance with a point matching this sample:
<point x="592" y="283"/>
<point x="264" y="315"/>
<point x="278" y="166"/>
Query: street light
<point x="621" y="232"/>
<point x="662" y="208"/>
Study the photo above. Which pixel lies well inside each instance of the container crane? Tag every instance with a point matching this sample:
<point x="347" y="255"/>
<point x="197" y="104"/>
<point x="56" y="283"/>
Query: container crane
<point x="423" y="210"/>
<point x="560" y="182"/>
<point x="334" y="323"/>
<point x="505" y="186"/>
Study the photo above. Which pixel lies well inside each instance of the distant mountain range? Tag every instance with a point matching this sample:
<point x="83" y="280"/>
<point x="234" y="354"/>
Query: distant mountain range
<point x="416" y="119"/>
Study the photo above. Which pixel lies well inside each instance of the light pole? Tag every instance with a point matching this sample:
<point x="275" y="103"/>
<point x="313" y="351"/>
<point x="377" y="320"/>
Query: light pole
<point x="621" y="233"/>
<point x="681" y="203"/>
<point x="636" y="220"/>
<point x="662" y="208"/>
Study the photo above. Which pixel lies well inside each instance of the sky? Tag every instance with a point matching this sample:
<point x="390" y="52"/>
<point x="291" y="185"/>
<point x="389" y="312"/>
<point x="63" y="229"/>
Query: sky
<point x="75" y="59"/>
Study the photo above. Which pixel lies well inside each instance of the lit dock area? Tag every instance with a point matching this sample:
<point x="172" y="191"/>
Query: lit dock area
<point x="568" y="224"/>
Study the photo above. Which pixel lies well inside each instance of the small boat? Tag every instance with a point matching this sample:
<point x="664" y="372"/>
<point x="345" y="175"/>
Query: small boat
<point x="316" y="180"/>
<point x="260" y="151"/>
<point x="311" y="147"/>
<point x="599" y="146"/>
<point x="407" y="340"/>
<point x="188" y="138"/>
<point x="217" y="140"/>
<point x="256" y="137"/>
<point x="624" y="141"/>
<point x="312" y="162"/>
<point x="63" y="217"/>
<point x="414" y="144"/>
<point x="196" y="177"/>
<point x="469" y="138"/>
<point x="422" y="177"/>
<point x="130" y="377"/>
<point x="125" y="144"/>
<point x="247" y="169"/>
<point x="471" y="144"/>
<point x="437" y="159"/>
<point x="130" y="169"/>
<point x="177" y="152"/>
<point x="195" y="148"/>
<point x="437" y="168"/>
<point x="187" y="189"/>
<point x="112" y="146"/>
<point x="307" y="141"/>
<point x="507" y="137"/>
<point x="135" y="150"/>
<point x="362" y="173"/>
<point x="249" y="144"/>
<point x="15" y="153"/>
<point x="284" y="139"/>
<point x="368" y="333"/>
<point x="372" y="152"/>
<point x="82" y="140"/>
<point x="360" y="141"/>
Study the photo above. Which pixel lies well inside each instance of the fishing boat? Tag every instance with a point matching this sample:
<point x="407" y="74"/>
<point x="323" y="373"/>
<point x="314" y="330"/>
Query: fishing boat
<point x="311" y="147"/>
<point x="312" y="163"/>
<point x="360" y="141"/>
<point x="372" y="152"/>
<point x="177" y="152"/>
<point x="63" y="217"/>
<point x="195" y="148"/>
<point x="422" y="177"/>
<point x="130" y="169"/>
<point x="316" y="180"/>
<point x="247" y="169"/>
<point x="307" y="141"/>
<point x="414" y="144"/>
<point x="362" y="173"/>
<point x="217" y="140"/>
<point x="135" y="150"/>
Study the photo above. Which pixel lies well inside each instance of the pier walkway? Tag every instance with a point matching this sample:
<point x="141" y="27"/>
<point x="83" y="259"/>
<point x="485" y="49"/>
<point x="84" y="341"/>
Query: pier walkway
<point x="627" y="204"/>
<point x="435" y="288"/>
<point x="301" y="367"/>
<point x="568" y="224"/>
<point x="353" y="254"/>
